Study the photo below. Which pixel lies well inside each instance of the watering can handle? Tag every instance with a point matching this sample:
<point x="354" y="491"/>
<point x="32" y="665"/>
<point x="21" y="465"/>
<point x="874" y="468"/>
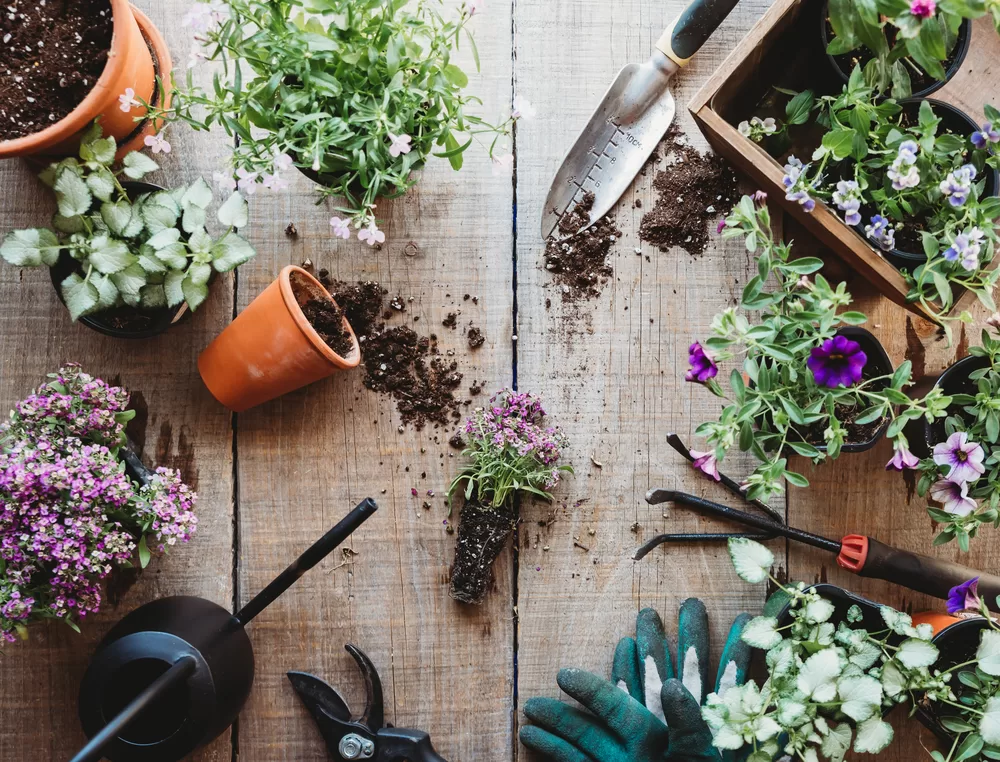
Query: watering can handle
<point x="94" y="750"/>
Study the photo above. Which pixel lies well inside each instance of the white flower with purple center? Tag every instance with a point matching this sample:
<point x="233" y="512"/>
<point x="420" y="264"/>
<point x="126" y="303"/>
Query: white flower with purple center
<point x="958" y="185"/>
<point x="965" y="249"/>
<point x="963" y="458"/>
<point x="953" y="497"/>
<point x="985" y="137"/>
<point x="847" y="197"/>
<point x="757" y="129"/>
<point x="903" y="172"/>
<point x="881" y="232"/>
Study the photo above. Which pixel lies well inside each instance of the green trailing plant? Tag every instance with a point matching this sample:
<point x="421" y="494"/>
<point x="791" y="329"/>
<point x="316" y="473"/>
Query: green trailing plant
<point x="360" y="93"/>
<point x="797" y="382"/>
<point x="897" y="175"/>
<point x="901" y="38"/>
<point x="828" y="682"/>
<point x="149" y="252"/>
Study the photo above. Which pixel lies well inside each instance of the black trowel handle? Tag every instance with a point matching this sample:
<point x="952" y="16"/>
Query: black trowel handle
<point x="692" y="28"/>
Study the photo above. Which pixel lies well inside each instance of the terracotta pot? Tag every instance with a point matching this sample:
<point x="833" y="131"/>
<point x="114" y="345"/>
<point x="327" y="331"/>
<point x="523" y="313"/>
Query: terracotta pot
<point x="137" y="56"/>
<point x="271" y="349"/>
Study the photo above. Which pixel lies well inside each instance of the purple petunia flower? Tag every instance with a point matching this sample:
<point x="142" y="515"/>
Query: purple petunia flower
<point x="923" y="9"/>
<point x="984" y="137"/>
<point x="902" y="459"/>
<point x="964" y="458"/>
<point x="964" y="597"/>
<point x="839" y="362"/>
<point x="707" y="463"/>
<point x="953" y="497"/>
<point x="703" y="366"/>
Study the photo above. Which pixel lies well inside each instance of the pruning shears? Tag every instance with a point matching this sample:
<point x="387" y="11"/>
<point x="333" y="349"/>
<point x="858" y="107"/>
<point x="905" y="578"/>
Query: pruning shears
<point x="368" y="737"/>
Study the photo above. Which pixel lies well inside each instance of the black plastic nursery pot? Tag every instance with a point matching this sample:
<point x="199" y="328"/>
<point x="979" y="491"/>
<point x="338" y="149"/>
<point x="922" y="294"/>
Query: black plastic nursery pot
<point x="957" y="122"/>
<point x="842" y="600"/>
<point x="922" y="435"/>
<point x="121" y="322"/>
<point x="843" y="65"/>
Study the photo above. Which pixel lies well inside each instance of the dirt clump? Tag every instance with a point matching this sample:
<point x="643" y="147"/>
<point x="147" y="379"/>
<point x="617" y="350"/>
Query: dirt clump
<point x="476" y="337"/>
<point x="579" y="264"/>
<point x="52" y="55"/>
<point x="694" y="190"/>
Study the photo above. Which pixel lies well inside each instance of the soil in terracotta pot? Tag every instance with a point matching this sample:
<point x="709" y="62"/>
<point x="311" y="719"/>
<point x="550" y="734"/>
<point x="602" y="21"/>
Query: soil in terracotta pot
<point x="323" y="315"/>
<point x="51" y="56"/>
<point x="695" y="191"/>
<point x="482" y="535"/>
<point x="579" y="264"/>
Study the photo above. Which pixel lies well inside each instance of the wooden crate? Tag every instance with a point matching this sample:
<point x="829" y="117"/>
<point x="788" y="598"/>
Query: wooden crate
<point x="784" y="48"/>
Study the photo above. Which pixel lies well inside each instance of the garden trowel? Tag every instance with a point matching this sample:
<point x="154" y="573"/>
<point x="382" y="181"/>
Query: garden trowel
<point x="630" y="121"/>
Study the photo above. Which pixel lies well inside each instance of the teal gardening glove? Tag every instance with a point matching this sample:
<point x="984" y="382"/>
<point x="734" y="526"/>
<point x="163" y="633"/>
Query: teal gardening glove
<point x="648" y="712"/>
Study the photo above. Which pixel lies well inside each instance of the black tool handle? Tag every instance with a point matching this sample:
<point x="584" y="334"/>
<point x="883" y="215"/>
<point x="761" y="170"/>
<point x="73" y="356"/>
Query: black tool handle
<point x="693" y="27"/>
<point x="402" y="745"/>
<point x="924" y="574"/>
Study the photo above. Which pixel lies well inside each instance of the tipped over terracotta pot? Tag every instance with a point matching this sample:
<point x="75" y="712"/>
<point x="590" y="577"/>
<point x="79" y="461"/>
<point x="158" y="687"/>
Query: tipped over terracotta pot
<point x="272" y="348"/>
<point x="137" y="56"/>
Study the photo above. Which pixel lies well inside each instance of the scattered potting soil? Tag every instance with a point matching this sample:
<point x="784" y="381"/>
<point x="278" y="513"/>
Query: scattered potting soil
<point x="328" y="321"/>
<point x="450" y="321"/>
<point x="476" y="337"/>
<point x="361" y="302"/>
<point x="580" y="263"/>
<point x="694" y="191"/>
<point x="51" y="56"/>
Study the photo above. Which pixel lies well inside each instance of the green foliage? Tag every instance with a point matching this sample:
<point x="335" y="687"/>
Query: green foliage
<point x="897" y="40"/>
<point x="149" y="253"/>
<point x="326" y="82"/>
<point x="773" y="406"/>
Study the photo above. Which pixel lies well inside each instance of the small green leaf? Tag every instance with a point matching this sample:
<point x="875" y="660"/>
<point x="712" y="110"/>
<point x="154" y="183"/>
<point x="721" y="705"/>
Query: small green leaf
<point x="109" y="255"/>
<point x="194" y="293"/>
<point x="751" y="560"/>
<point x="235" y="212"/>
<point x="172" y="287"/>
<point x="72" y="194"/>
<point x="30" y="248"/>
<point x="144" y="554"/>
<point x="198" y="194"/>
<point x="762" y="632"/>
<point x="231" y="252"/>
<point x="138" y="165"/>
<point x="81" y="296"/>
<point x="988" y="653"/>
<point x="116" y="215"/>
<point x="873" y="735"/>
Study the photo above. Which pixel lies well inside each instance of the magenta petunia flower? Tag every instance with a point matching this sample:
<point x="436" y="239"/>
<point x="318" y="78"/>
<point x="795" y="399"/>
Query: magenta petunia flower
<point x="953" y="497"/>
<point x="839" y="362"/>
<point x="964" y="458"/>
<point x="923" y="9"/>
<point x="902" y="459"/>
<point x="964" y="597"/>
<point x="703" y="366"/>
<point x="707" y="463"/>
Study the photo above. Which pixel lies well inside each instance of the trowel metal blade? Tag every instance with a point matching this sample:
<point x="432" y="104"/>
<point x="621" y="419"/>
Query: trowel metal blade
<point x="630" y="121"/>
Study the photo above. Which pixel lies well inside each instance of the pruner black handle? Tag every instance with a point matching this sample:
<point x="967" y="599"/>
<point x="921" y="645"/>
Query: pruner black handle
<point x="692" y="29"/>
<point x="933" y="576"/>
<point x="402" y="745"/>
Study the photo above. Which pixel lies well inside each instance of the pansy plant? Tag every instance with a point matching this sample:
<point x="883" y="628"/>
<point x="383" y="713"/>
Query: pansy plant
<point x="357" y="93"/>
<point x="149" y="251"/>
<point x="797" y="382"/>
<point x="962" y="475"/>
<point x="908" y="183"/>
<point x="828" y="682"/>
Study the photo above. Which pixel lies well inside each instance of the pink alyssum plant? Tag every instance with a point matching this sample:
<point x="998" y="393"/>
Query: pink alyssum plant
<point x="69" y="514"/>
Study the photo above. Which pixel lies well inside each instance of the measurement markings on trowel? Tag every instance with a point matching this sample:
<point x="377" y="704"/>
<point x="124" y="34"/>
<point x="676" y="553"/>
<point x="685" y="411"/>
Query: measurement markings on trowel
<point x="592" y="183"/>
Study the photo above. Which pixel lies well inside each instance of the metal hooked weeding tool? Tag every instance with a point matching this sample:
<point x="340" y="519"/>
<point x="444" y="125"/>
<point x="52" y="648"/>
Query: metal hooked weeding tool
<point x="368" y="737"/>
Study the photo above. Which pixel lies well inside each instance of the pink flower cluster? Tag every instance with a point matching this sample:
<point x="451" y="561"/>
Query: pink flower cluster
<point x="69" y="514"/>
<point x="513" y="421"/>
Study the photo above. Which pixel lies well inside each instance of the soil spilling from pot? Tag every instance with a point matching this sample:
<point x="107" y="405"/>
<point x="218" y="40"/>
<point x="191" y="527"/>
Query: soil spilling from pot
<point x="579" y="264"/>
<point x="695" y="191"/>
<point x="323" y="315"/>
<point x="482" y="535"/>
<point x="398" y="361"/>
<point x="51" y="56"/>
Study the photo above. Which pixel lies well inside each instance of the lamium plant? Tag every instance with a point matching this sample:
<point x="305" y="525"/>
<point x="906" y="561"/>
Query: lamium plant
<point x="908" y="183"/>
<point x="356" y="93"/>
<point x="69" y="513"/>
<point x="510" y="453"/>
<point x="147" y="250"/>
<point x="799" y="385"/>
<point x="828" y="682"/>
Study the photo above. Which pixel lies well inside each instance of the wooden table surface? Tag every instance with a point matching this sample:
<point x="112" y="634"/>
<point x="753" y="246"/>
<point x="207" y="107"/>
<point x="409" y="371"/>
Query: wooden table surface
<point x="273" y="479"/>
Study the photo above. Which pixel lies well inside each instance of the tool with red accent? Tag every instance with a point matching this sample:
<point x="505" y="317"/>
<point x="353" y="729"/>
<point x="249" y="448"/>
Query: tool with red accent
<point x="865" y="556"/>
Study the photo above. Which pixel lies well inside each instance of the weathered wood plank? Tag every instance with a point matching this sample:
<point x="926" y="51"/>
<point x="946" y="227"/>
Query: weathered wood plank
<point x="611" y="370"/>
<point x="306" y="459"/>
<point x="184" y="428"/>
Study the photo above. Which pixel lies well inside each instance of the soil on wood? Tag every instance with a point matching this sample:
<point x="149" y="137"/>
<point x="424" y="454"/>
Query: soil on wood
<point x="579" y="264"/>
<point x="476" y="338"/>
<point x="482" y="535"/>
<point x="51" y="56"/>
<point x="694" y="191"/>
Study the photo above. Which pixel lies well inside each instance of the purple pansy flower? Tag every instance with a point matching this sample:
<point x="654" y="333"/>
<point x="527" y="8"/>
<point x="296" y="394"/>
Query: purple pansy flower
<point x="707" y="463"/>
<point x="965" y="249"/>
<point x="984" y="137"/>
<point x="953" y="497"/>
<point x="958" y="185"/>
<point x="881" y="233"/>
<point x="847" y="197"/>
<point x="703" y="366"/>
<point x="838" y="362"/>
<point x="902" y="459"/>
<point x="964" y="458"/>
<point x="795" y="184"/>
<point x="964" y="597"/>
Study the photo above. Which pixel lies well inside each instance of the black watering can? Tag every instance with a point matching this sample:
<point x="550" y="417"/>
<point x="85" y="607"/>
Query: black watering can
<point x="175" y="673"/>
